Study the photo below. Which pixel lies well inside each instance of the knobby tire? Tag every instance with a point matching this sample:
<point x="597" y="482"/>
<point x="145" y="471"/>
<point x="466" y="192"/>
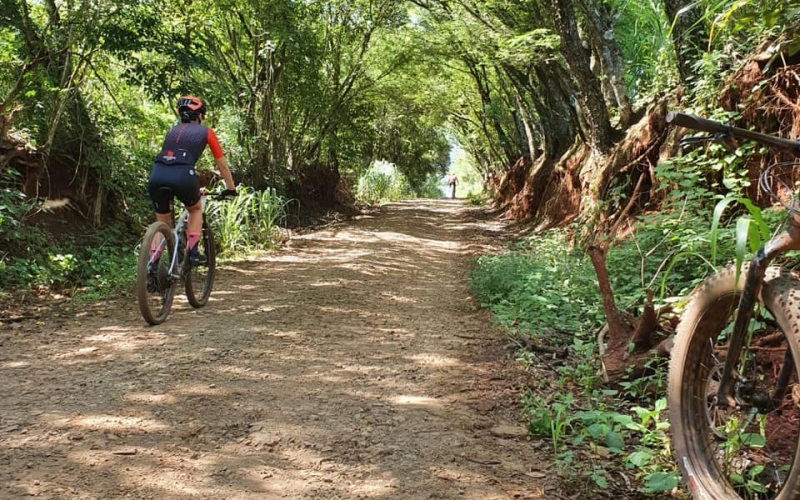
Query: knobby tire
<point x="156" y="302"/>
<point x="712" y="444"/>
<point x="200" y="279"/>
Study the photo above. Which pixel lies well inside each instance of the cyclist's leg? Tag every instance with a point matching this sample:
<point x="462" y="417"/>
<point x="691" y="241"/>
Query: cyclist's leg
<point x="189" y="194"/>
<point x="161" y="198"/>
<point x="194" y="226"/>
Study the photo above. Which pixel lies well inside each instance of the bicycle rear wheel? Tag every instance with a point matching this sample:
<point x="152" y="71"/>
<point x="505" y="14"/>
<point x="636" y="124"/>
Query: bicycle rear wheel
<point x="154" y="286"/>
<point x="732" y="453"/>
<point x="200" y="278"/>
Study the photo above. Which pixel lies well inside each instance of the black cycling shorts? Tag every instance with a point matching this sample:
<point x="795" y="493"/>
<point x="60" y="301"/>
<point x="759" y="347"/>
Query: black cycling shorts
<point x="172" y="181"/>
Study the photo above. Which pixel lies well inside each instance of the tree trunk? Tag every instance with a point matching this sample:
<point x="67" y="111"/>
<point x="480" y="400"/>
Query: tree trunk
<point x="579" y="62"/>
<point x="601" y="30"/>
<point x="689" y="35"/>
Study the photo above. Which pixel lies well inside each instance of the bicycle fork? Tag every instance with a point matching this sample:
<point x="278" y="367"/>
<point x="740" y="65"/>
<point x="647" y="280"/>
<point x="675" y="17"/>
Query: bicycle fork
<point x="735" y="390"/>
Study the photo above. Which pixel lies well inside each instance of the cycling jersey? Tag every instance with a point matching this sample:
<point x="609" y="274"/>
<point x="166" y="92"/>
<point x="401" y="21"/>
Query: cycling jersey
<point x="185" y="142"/>
<point x="173" y="173"/>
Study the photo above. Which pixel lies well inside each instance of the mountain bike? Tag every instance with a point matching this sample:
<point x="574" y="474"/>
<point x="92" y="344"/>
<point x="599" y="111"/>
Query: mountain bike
<point x="164" y="265"/>
<point x="733" y="387"/>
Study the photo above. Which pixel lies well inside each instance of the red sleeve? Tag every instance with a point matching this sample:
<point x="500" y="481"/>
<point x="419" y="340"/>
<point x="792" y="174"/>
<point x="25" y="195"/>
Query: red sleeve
<point x="213" y="145"/>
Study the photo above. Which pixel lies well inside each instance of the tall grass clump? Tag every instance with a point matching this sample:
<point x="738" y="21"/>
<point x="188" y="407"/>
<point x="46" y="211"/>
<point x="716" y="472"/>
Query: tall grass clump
<point x="250" y="221"/>
<point x="382" y="182"/>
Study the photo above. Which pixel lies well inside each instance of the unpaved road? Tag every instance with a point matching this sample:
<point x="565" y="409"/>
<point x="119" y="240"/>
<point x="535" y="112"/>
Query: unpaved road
<point x="350" y="365"/>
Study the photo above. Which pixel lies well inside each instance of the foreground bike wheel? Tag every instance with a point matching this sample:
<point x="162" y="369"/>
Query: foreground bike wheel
<point x="154" y="286"/>
<point x="200" y="279"/>
<point x="726" y="453"/>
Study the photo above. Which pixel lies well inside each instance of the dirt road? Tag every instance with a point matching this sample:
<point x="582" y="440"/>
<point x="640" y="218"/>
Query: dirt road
<point x="350" y="365"/>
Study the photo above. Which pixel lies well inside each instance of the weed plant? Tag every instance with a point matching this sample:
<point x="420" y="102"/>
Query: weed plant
<point x="101" y="265"/>
<point x="546" y="291"/>
<point x="250" y="221"/>
<point x="539" y="287"/>
<point x="543" y="290"/>
<point x="381" y="183"/>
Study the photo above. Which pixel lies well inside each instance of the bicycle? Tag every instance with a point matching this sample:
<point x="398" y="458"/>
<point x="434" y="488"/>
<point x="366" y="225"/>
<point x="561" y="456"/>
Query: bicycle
<point x="160" y="271"/>
<point x="734" y="385"/>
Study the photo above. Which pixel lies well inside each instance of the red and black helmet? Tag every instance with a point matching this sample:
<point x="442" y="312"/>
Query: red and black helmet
<point x="190" y="107"/>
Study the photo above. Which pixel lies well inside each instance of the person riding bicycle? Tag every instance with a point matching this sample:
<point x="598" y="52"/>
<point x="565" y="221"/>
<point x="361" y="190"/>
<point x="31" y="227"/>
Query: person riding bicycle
<point x="174" y="168"/>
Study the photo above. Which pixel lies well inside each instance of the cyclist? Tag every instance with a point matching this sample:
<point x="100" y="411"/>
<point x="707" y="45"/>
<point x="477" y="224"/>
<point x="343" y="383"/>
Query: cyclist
<point x="452" y="181"/>
<point x="174" y="168"/>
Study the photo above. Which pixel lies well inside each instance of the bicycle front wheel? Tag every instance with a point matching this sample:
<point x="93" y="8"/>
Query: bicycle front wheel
<point x="751" y="451"/>
<point x="200" y="278"/>
<point x="154" y="286"/>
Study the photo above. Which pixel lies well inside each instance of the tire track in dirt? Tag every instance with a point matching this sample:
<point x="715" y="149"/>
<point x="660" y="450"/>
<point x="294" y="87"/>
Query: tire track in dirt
<point x="350" y="365"/>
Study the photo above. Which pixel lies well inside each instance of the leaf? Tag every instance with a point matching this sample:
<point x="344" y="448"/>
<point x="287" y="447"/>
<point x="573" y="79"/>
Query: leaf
<point x="639" y="458"/>
<point x="660" y="481"/>
<point x="754" y="440"/>
<point x="615" y="441"/>
<point x="715" y="221"/>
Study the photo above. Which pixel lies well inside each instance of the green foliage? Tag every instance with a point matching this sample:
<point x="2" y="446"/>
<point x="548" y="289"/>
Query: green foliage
<point x="106" y="271"/>
<point x="682" y="243"/>
<point x="548" y="418"/>
<point x="539" y="286"/>
<point x="750" y="231"/>
<point x="15" y="236"/>
<point x="476" y="199"/>
<point x="430" y="188"/>
<point x="249" y="221"/>
<point x="90" y="269"/>
<point x="644" y="36"/>
<point x="381" y="183"/>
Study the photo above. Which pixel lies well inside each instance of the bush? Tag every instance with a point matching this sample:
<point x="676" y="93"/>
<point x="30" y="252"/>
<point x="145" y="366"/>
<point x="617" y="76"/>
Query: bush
<point x="382" y="182"/>
<point x="249" y="221"/>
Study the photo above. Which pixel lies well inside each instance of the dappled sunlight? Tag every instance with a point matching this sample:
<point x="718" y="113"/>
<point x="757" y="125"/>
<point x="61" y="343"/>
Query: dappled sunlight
<point x="151" y="399"/>
<point x="148" y="469"/>
<point x="286" y="334"/>
<point x="332" y="368"/>
<point x="116" y="423"/>
<point x="375" y="487"/>
<point x="78" y="356"/>
<point x="15" y="364"/>
<point x="115" y="334"/>
<point x="248" y="373"/>
<point x="201" y="390"/>
<point x="409" y="400"/>
<point x="434" y="360"/>
<point x="116" y="339"/>
<point x="399" y="298"/>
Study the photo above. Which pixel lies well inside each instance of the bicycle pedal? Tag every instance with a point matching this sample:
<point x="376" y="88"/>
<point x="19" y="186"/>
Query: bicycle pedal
<point x="198" y="260"/>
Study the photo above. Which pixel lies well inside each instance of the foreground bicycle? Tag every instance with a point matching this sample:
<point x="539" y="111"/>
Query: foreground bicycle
<point x="734" y="398"/>
<point x="159" y="273"/>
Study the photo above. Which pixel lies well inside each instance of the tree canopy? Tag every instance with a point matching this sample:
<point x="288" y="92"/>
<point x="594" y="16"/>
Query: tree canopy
<point x="300" y="91"/>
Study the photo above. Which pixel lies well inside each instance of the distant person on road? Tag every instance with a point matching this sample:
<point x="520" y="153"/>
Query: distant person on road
<point x="452" y="181"/>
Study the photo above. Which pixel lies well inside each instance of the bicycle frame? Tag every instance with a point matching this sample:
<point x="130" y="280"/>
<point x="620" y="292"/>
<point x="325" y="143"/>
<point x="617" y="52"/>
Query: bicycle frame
<point x="732" y="387"/>
<point x="175" y="268"/>
<point x="727" y="392"/>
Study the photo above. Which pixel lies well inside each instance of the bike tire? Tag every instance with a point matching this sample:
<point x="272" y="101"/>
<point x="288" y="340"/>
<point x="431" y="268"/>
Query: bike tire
<point x="713" y="457"/>
<point x="200" y="279"/>
<point x="155" y="293"/>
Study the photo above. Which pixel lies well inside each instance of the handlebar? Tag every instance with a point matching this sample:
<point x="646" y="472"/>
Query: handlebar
<point x="205" y="193"/>
<point x="715" y="127"/>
